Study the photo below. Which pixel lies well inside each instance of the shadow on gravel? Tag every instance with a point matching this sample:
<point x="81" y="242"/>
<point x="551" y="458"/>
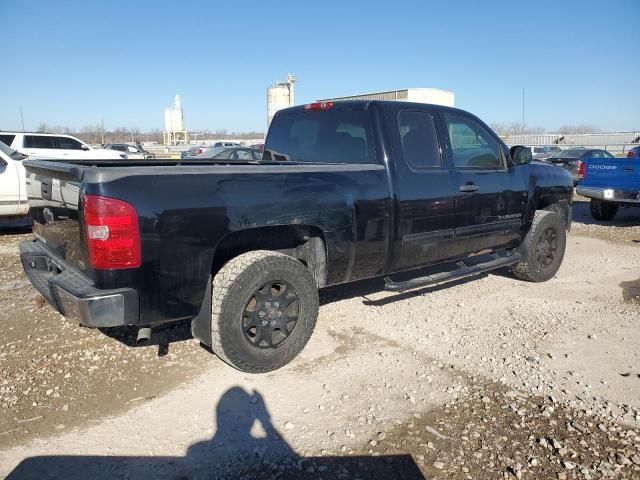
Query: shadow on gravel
<point x="239" y="449"/>
<point x="631" y="291"/>
<point x="15" y="225"/>
<point x="363" y="288"/>
<point x="162" y="336"/>
<point x="626" y="217"/>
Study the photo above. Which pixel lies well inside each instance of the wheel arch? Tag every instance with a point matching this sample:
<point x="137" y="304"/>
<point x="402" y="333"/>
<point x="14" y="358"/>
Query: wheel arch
<point x="306" y="243"/>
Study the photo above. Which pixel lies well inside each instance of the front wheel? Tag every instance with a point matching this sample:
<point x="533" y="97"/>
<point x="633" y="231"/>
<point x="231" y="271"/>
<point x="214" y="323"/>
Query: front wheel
<point x="264" y="310"/>
<point x="544" y="248"/>
<point x="603" y="211"/>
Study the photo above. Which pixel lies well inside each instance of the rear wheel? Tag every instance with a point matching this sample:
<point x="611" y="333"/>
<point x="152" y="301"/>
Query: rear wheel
<point x="603" y="211"/>
<point x="544" y="248"/>
<point x="264" y="309"/>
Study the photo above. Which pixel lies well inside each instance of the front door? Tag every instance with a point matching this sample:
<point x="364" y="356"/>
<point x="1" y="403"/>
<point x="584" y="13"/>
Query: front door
<point x="424" y="189"/>
<point x="490" y="196"/>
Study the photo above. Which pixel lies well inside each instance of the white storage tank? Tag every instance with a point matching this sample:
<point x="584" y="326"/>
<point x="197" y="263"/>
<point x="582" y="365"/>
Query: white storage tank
<point x="280" y="95"/>
<point x="173" y="116"/>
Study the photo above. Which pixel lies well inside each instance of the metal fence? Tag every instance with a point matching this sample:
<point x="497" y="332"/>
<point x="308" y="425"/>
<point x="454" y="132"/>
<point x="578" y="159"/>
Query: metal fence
<point x="617" y="143"/>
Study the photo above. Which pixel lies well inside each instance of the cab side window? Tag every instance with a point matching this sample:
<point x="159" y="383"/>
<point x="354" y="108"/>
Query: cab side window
<point x="38" y="141"/>
<point x="419" y="139"/>
<point x="67" y="143"/>
<point x="472" y="145"/>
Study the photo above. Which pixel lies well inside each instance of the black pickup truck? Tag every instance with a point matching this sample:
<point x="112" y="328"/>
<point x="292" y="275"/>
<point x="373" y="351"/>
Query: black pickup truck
<point x="345" y="191"/>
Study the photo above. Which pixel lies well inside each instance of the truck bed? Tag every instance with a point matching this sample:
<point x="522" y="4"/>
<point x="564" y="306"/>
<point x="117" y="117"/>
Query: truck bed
<point x="188" y="210"/>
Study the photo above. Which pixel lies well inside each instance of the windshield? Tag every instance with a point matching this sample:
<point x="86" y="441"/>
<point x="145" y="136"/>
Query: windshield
<point x="10" y="152"/>
<point x="569" y="154"/>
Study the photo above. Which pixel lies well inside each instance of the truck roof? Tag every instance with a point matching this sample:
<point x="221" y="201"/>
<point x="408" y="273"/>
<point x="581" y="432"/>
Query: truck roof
<point x="364" y="105"/>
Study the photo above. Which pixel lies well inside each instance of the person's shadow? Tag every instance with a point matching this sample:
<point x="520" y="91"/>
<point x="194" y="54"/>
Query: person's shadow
<point x="245" y="445"/>
<point x="244" y="431"/>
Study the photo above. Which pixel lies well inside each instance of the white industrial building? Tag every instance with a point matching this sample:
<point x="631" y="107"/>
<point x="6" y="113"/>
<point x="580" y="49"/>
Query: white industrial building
<point x="280" y="95"/>
<point x="419" y="95"/>
<point x="174" y="131"/>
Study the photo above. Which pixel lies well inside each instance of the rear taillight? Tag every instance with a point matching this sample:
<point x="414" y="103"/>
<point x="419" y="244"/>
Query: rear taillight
<point x="630" y="154"/>
<point x="111" y="229"/>
<point x="582" y="170"/>
<point x="318" y="106"/>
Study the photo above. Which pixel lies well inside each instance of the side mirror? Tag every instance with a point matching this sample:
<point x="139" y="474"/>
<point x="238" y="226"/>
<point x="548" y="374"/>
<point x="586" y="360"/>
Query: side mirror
<point x="520" y="155"/>
<point x="85" y="148"/>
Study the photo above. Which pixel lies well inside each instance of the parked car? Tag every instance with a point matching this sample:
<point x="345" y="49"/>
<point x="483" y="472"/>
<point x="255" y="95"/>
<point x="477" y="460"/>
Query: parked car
<point x="226" y="144"/>
<point x="53" y="145"/>
<point x="539" y="152"/>
<point x="542" y="152"/>
<point x="13" y="188"/>
<point x="192" y="152"/>
<point x="346" y="191"/>
<point x="233" y="153"/>
<point x="571" y="160"/>
<point x="610" y="184"/>
<point x="133" y="152"/>
<point x="634" y="152"/>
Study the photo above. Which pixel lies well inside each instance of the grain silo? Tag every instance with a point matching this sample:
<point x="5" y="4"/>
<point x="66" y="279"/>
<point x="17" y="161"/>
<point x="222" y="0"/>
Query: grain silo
<point x="280" y="95"/>
<point x="174" y="131"/>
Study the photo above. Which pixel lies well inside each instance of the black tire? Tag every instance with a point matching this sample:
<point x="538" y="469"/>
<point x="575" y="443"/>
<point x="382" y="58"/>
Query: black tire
<point x="543" y="248"/>
<point x="252" y="289"/>
<point x="603" y="211"/>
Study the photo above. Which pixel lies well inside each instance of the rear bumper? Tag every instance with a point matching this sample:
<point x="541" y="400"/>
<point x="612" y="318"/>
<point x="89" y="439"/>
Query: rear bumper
<point x="610" y="194"/>
<point x="73" y="294"/>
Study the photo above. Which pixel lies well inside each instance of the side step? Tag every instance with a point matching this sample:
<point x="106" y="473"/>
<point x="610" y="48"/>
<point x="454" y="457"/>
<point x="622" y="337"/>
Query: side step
<point x="462" y="271"/>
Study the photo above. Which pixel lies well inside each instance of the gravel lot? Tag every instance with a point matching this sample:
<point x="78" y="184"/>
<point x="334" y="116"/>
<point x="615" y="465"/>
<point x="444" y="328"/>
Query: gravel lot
<point x="480" y="379"/>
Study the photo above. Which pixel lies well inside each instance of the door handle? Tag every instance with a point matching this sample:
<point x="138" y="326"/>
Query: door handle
<point x="469" y="188"/>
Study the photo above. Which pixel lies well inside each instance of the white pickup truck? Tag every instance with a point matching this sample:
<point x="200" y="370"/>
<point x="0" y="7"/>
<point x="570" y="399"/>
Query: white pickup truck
<point x="13" y="189"/>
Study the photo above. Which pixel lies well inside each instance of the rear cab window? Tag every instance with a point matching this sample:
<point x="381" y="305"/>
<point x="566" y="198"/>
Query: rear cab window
<point x="336" y="135"/>
<point x="419" y="139"/>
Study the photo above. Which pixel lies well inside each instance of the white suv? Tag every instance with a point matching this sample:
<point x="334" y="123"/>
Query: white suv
<point x="54" y="145"/>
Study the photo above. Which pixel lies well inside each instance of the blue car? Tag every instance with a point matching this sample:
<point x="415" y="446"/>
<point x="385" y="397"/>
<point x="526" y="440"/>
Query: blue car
<point x="610" y="183"/>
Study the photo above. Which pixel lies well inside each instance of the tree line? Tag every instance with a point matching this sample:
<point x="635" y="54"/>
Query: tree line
<point x="504" y="129"/>
<point x="95" y="134"/>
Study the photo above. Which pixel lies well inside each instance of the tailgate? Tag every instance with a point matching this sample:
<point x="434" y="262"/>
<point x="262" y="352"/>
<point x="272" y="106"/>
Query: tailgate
<point x="53" y="189"/>
<point x="618" y="173"/>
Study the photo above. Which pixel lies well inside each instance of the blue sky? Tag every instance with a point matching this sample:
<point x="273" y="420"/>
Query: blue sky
<point x="75" y="62"/>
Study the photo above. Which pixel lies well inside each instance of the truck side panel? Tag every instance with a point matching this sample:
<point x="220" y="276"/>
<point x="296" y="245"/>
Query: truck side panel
<point x="180" y="231"/>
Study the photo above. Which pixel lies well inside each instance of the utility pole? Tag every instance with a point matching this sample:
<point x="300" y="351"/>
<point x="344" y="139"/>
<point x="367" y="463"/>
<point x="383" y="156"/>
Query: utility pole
<point x="102" y="131"/>
<point x="22" y="118"/>
<point x="523" y="109"/>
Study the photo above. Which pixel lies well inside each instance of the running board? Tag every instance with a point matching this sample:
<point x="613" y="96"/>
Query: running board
<point x="462" y="271"/>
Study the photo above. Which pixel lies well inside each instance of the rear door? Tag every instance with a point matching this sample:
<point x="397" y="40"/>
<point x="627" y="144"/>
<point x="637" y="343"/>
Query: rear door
<point x="490" y="197"/>
<point x="424" y="188"/>
<point x="40" y="146"/>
